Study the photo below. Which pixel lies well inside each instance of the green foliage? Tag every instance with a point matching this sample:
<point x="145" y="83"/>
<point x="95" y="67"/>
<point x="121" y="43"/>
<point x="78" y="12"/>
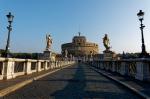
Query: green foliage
<point x="25" y="55"/>
<point x="2" y="52"/>
<point x="20" y="55"/>
<point x="130" y="55"/>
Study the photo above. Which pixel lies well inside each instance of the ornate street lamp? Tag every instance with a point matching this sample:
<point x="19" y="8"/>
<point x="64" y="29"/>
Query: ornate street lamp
<point x="141" y="18"/>
<point x="9" y="27"/>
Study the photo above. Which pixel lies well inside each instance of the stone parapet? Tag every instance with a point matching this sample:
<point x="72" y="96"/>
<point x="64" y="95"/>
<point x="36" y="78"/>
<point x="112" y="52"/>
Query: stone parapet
<point x="13" y="67"/>
<point x="136" y="68"/>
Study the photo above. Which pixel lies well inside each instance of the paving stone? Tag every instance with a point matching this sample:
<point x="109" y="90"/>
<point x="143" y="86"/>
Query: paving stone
<point x="74" y="82"/>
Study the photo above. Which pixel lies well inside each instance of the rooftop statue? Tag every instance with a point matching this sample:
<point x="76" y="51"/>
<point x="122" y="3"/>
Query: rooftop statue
<point x="106" y="42"/>
<point x="49" y="42"/>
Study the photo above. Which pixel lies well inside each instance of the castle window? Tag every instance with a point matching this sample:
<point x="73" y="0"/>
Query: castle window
<point x="79" y="43"/>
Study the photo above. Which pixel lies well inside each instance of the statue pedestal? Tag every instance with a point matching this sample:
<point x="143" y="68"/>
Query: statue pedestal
<point x="109" y="55"/>
<point x="47" y="55"/>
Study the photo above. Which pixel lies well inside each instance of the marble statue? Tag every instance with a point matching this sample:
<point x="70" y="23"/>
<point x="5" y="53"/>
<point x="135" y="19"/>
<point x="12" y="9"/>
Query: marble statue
<point x="106" y="42"/>
<point x="66" y="53"/>
<point x="49" y="42"/>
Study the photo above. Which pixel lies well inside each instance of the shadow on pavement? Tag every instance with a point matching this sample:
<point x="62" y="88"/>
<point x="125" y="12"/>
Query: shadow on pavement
<point x="76" y="88"/>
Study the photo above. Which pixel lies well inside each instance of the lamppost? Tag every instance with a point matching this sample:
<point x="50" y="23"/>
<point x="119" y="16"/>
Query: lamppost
<point x="9" y="27"/>
<point x="140" y="14"/>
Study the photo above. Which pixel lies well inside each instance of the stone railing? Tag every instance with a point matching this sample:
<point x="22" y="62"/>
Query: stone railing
<point x="12" y="67"/>
<point x="137" y="68"/>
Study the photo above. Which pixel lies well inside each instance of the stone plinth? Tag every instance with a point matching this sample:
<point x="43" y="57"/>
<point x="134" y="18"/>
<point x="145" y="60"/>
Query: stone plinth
<point x="143" y="70"/>
<point x="47" y="55"/>
<point x="109" y="55"/>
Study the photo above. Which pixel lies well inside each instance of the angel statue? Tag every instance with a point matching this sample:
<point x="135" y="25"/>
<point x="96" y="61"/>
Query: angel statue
<point x="106" y="42"/>
<point x="66" y="53"/>
<point x="49" y="42"/>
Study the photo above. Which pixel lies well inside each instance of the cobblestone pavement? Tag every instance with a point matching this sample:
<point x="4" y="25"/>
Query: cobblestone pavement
<point x="7" y="83"/>
<point x="141" y="86"/>
<point x="74" y="82"/>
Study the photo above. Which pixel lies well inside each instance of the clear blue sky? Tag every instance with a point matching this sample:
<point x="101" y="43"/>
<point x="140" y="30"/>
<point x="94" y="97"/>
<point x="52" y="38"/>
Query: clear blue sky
<point x="62" y="18"/>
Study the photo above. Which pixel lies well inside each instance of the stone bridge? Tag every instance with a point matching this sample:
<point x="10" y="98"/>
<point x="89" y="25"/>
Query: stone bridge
<point x="117" y="79"/>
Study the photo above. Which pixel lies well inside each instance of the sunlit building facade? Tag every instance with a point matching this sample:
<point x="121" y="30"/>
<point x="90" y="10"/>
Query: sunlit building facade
<point x="80" y="47"/>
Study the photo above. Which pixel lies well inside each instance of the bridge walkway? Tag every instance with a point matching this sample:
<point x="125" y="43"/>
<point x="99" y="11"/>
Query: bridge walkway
<point x="74" y="82"/>
<point x="141" y="86"/>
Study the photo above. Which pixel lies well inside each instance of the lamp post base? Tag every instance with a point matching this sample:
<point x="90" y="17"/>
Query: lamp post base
<point x="7" y="54"/>
<point x="144" y="55"/>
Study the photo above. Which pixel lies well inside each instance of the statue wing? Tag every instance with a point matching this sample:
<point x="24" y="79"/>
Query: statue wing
<point x="46" y="37"/>
<point x="51" y="40"/>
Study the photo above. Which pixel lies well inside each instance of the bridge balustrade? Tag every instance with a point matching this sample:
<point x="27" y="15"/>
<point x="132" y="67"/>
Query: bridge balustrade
<point x="48" y="64"/>
<point x="149" y="66"/>
<point x="1" y="70"/>
<point x="131" y="68"/>
<point x="136" y="68"/>
<point x="19" y="66"/>
<point x="42" y="65"/>
<point x="33" y="65"/>
<point x="13" y="67"/>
